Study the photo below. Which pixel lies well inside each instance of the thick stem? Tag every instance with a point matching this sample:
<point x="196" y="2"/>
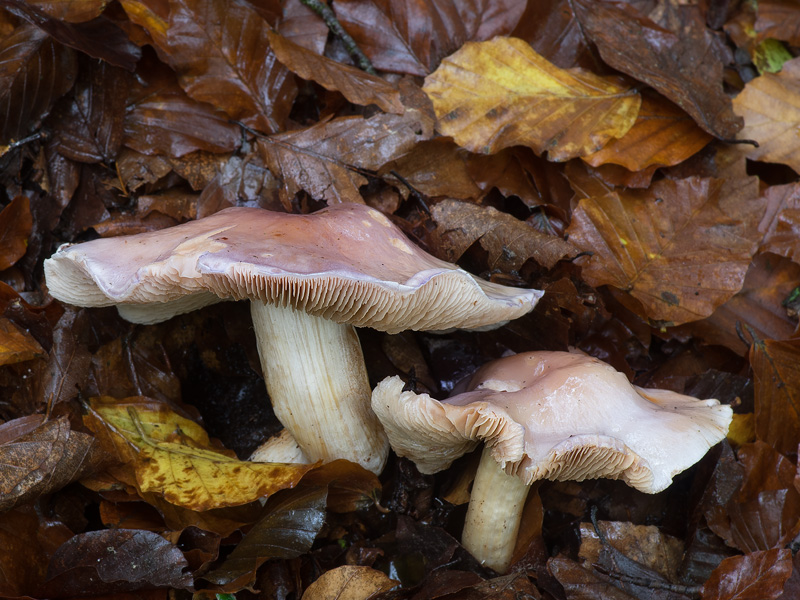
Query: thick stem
<point x="317" y="381"/>
<point x="494" y="513"/>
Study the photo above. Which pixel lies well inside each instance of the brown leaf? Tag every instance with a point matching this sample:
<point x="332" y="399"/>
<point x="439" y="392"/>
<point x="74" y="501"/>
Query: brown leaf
<point x="325" y="159"/>
<point x="509" y="241"/>
<point x="672" y="247"/>
<point x="662" y="135"/>
<point x="552" y="30"/>
<point x="350" y="486"/>
<point x="89" y="126"/>
<point x="43" y="461"/>
<point x="354" y="84"/>
<point x="16" y="224"/>
<point x="582" y="584"/>
<point x="756" y="576"/>
<point x="112" y="561"/>
<point x="781" y="222"/>
<point x="68" y="364"/>
<point x="501" y="93"/>
<point x="34" y="72"/>
<point x="768" y="105"/>
<point x="412" y="37"/>
<point x="682" y="66"/>
<point x="349" y="582"/>
<point x="72" y="11"/>
<point x="303" y="26"/>
<point x="778" y="19"/>
<point x="776" y="368"/>
<point x="220" y="51"/>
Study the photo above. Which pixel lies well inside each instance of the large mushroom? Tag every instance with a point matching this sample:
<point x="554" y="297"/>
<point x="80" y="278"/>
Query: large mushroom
<point x="310" y="279"/>
<point x="547" y="415"/>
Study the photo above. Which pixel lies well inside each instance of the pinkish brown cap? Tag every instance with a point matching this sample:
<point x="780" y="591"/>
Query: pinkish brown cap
<point x="555" y="415"/>
<point x="347" y="263"/>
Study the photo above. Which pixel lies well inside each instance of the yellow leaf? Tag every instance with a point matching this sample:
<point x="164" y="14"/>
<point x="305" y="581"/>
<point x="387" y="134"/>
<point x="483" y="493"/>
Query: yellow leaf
<point x="742" y="429"/>
<point x="500" y="93"/>
<point x="172" y="456"/>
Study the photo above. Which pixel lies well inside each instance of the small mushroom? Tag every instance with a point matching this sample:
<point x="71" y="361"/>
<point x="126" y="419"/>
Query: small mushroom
<point x="310" y="279"/>
<point x="547" y="415"/>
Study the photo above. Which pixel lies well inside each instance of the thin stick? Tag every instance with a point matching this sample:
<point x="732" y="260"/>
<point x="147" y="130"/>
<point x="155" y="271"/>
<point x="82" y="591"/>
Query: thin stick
<point x="336" y="28"/>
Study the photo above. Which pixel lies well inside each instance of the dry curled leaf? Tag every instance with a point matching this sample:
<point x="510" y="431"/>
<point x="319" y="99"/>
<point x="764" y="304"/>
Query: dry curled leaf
<point x="492" y="95"/>
<point x="349" y="582"/>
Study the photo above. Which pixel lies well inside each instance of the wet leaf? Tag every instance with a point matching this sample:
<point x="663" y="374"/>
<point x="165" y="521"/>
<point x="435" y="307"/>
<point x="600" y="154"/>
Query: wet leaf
<point x="412" y="37"/>
<point x="350" y="486"/>
<point x="781" y="222"/>
<point x="325" y="160"/>
<point x="776" y="368"/>
<point x="16" y="224"/>
<point x="89" y="126"/>
<point x="756" y="576"/>
<point x="582" y="584"/>
<point x="30" y="61"/>
<point x="768" y="105"/>
<point x="683" y="66"/>
<point x="288" y="528"/>
<point x="491" y="95"/>
<point x="354" y="84"/>
<point x="67" y="366"/>
<point x="115" y="560"/>
<point x="303" y="26"/>
<point x="349" y="582"/>
<point x="672" y="247"/>
<point x="662" y="135"/>
<point x="509" y="241"/>
<point x="173" y="456"/>
<point x="220" y="51"/>
<point x="43" y="461"/>
<point x="72" y="11"/>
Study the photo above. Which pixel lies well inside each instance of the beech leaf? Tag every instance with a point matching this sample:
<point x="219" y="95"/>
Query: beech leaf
<point x="16" y="225"/>
<point x="672" y="247"/>
<point x="491" y="95"/>
<point x="221" y="53"/>
<point x="72" y="11"/>
<point x="776" y="368"/>
<point x="16" y="345"/>
<point x="756" y="576"/>
<point x="173" y="456"/>
<point x="781" y="222"/>
<point x="349" y="582"/>
<point x="354" y="84"/>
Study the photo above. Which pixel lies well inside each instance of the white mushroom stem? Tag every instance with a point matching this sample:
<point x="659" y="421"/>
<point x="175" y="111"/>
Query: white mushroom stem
<point x="494" y="514"/>
<point x="316" y="378"/>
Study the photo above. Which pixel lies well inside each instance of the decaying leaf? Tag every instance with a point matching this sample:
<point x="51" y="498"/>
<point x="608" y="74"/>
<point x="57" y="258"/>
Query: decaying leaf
<point x="354" y="84"/>
<point x="662" y="135"/>
<point x="325" y="159"/>
<point x="683" y="65"/>
<point x="769" y="107"/>
<point x="509" y="241"/>
<point x="776" y="367"/>
<point x="781" y="222"/>
<point x="672" y="247"/>
<point x="755" y="576"/>
<point x="16" y="345"/>
<point x="492" y="95"/>
<point x="349" y="582"/>
<point x="173" y="456"/>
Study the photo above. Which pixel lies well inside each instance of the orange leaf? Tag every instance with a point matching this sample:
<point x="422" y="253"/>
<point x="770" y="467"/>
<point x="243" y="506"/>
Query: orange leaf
<point x="16" y="345"/>
<point x="492" y="95"/>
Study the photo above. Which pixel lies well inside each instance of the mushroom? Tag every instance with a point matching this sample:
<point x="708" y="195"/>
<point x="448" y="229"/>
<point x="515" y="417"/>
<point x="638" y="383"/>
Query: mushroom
<point x="310" y="279"/>
<point x="547" y="415"/>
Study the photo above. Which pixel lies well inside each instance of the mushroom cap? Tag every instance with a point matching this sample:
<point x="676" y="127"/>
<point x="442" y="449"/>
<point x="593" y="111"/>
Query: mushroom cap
<point x="555" y="415"/>
<point x="347" y="263"/>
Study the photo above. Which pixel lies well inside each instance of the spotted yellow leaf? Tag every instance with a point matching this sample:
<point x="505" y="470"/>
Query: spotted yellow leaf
<point x="172" y="456"/>
<point x="491" y="95"/>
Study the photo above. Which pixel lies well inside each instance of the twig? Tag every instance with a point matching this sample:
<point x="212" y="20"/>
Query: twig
<point x="336" y="28"/>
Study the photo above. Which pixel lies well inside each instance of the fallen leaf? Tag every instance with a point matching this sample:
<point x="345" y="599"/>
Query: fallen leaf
<point x="778" y="19"/>
<point x="776" y="368"/>
<point x="768" y="106"/>
<point x="303" y="26"/>
<point x="89" y="127"/>
<point x="672" y="247"/>
<point x="325" y="159"/>
<point x="501" y="93"/>
<point x="781" y="222"/>
<point x="662" y="135"/>
<point x="288" y="529"/>
<point x="349" y="582"/>
<point x="683" y="66"/>
<point x="350" y="486"/>
<point x="173" y="456"/>
<point x="43" y="461"/>
<point x="406" y="36"/>
<point x="16" y="224"/>
<point x="113" y="561"/>
<point x="354" y="84"/>
<point x="220" y="50"/>
<point x="72" y="11"/>
<point x="509" y="241"/>
<point x="583" y="584"/>
<point x="755" y="576"/>
<point x="34" y="72"/>
<point x="554" y="32"/>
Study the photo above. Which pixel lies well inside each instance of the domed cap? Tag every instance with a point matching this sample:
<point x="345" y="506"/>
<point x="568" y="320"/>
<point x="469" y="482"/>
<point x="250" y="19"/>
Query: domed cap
<point x="347" y="263"/>
<point x="555" y="415"/>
